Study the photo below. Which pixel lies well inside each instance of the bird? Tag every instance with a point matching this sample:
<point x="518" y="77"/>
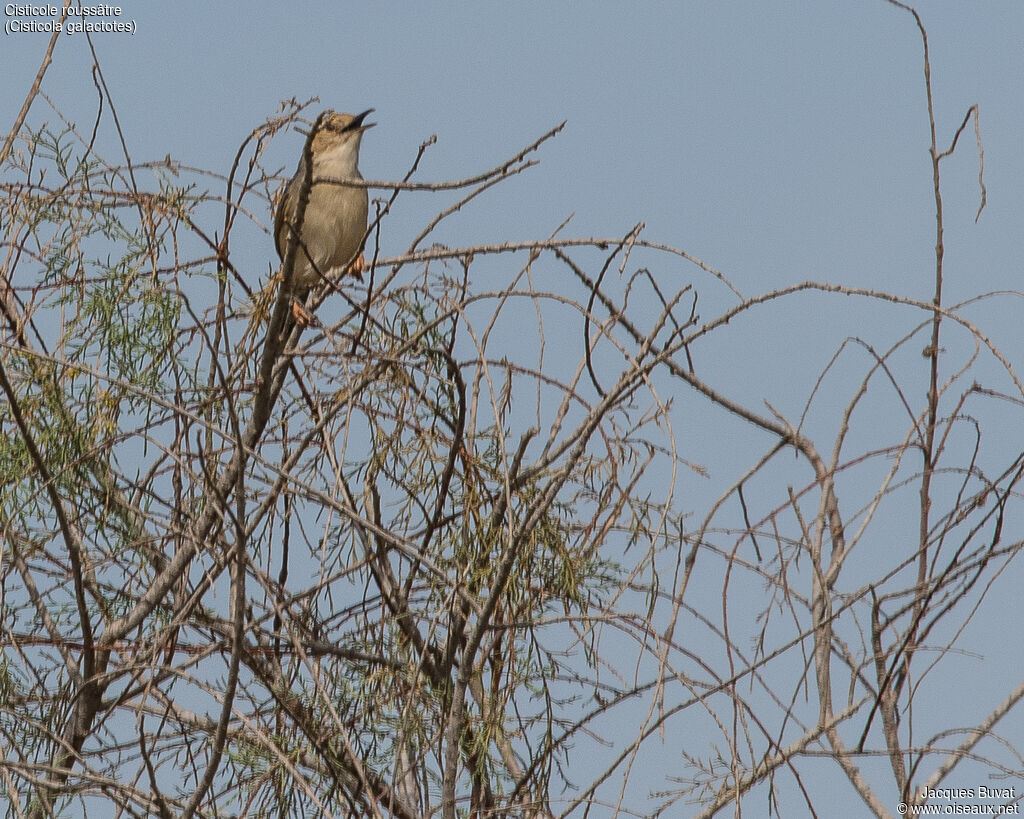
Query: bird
<point x="334" y="223"/>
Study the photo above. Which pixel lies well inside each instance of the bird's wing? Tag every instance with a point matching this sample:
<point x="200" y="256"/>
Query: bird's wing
<point x="280" y="233"/>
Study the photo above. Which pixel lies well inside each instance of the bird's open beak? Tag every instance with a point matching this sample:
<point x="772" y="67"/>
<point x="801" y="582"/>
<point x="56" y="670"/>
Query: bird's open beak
<point x="357" y="121"/>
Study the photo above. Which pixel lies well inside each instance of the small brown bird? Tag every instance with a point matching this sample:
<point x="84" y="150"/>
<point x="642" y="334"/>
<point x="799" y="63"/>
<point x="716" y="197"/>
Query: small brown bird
<point x="335" y="219"/>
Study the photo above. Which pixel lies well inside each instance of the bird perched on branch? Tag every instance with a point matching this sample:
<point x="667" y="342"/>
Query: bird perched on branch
<point x="329" y="234"/>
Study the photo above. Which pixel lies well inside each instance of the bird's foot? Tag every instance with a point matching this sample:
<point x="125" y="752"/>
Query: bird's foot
<point x="357" y="266"/>
<point x="301" y="315"/>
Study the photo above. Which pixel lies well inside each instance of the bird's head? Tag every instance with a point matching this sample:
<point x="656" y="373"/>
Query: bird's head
<point x="336" y="141"/>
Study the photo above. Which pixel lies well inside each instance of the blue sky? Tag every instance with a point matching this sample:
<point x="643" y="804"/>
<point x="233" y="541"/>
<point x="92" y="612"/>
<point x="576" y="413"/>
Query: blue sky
<point x="779" y="142"/>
